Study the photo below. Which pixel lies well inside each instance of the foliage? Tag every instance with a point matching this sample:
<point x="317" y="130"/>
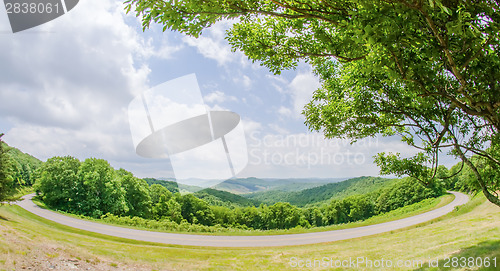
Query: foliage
<point x="57" y="181"/>
<point x="171" y="186"/>
<point x="425" y="70"/>
<point x="89" y="188"/>
<point x="464" y="179"/>
<point x="255" y="185"/>
<point x="316" y="195"/>
<point x="137" y="194"/>
<point x="17" y="170"/>
<point x="23" y="167"/>
<point x="5" y="172"/>
<point x="223" y="198"/>
<point x="101" y="189"/>
<point x="405" y="192"/>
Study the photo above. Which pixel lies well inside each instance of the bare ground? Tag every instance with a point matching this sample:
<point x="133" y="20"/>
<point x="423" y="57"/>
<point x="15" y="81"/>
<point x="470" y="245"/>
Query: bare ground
<point x="20" y="251"/>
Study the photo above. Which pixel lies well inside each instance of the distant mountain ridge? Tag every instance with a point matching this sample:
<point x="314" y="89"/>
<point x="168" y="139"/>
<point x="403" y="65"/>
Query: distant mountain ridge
<point x="252" y="184"/>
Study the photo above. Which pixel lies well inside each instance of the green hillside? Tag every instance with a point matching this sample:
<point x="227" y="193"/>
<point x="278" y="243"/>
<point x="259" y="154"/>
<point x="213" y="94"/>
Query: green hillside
<point x="23" y="165"/>
<point x="243" y="186"/>
<point x="224" y="198"/>
<point x="185" y="188"/>
<point x="355" y="186"/>
<point x="171" y="186"/>
<point x="252" y="185"/>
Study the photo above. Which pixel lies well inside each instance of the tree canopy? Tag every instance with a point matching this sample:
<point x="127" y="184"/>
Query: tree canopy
<point x="427" y="70"/>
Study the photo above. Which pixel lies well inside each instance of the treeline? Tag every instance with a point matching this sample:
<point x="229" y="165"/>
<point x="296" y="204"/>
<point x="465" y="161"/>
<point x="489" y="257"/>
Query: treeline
<point x="93" y="188"/>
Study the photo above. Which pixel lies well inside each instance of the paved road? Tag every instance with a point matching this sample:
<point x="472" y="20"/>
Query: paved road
<point x="241" y="241"/>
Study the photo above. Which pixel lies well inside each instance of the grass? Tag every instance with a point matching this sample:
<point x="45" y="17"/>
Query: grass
<point x="470" y="231"/>
<point x="400" y="213"/>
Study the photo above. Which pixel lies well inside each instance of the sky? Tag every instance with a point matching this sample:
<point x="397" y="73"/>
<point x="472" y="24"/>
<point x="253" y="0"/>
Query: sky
<point x="66" y="86"/>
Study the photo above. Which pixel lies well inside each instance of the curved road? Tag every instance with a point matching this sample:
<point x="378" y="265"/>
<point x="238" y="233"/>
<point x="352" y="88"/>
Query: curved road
<point x="241" y="241"/>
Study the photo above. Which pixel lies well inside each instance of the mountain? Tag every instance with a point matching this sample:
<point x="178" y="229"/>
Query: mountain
<point x="171" y="186"/>
<point x="204" y="183"/>
<point x="252" y="185"/>
<point x="223" y="198"/>
<point x="184" y="188"/>
<point x="339" y="190"/>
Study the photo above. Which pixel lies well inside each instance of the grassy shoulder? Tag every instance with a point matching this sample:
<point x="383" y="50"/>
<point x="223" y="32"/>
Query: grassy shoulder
<point x="27" y="240"/>
<point x="400" y="213"/>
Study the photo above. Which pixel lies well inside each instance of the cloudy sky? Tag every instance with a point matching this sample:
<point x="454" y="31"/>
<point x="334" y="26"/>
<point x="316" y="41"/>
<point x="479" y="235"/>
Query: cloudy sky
<point x="66" y="85"/>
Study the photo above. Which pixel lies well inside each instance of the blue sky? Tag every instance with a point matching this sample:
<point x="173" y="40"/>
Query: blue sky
<point x="65" y="87"/>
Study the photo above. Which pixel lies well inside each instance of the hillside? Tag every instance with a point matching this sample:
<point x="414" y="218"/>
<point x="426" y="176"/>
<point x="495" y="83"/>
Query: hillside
<point x="361" y="185"/>
<point x="185" y="188"/>
<point x="223" y="198"/>
<point x="171" y="186"/>
<point x="23" y="165"/>
<point x="252" y="185"/>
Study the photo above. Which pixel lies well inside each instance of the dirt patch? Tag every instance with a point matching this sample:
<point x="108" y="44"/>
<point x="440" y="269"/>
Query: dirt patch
<point x="20" y="251"/>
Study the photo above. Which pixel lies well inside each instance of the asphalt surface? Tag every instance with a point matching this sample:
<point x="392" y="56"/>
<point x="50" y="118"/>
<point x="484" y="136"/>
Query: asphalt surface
<point x="241" y="241"/>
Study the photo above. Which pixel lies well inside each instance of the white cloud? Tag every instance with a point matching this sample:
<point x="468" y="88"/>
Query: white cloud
<point x="67" y="83"/>
<point x="251" y="126"/>
<point x="165" y="50"/>
<point x="277" y="78"/>
<point x="301" y="89"/>
<point x="218" y="97"/>
<point x="243" y="81"/>
<point x="211" y="44"/>
<point x="285" y="112"/>
<point x="278" y="129"/>
<point x="311" y="155"/>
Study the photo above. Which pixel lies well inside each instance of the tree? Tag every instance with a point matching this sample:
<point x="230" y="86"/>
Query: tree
<point x="137" y="194"/>
<point x="57" y="183"/>
<point x="5" y="174"/>
<point x="101" y="190"/>
<point x="195" y="210"/>
<point x="160" y="197"/>
<point x="427" y="70"/>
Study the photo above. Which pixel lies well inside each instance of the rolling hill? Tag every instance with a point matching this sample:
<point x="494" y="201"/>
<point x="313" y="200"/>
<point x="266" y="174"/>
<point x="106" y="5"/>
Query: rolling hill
<point x="171" y="186"/>
<point x="323" y="193"/>
<point x="252" y="185"/>
<point x="224" y="198"/>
